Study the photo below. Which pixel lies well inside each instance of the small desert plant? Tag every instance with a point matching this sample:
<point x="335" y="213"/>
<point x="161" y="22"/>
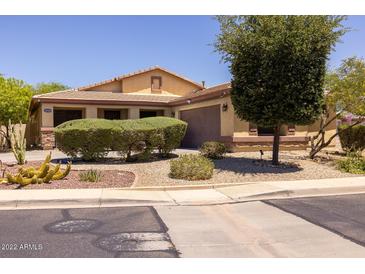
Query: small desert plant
<point x="18" y="143"/>
<point x="191" y="167"/>
<point x="353" y="163"/>
<point x="213" y="150"/>
<point x="352" y="138"/>
<point x="91" y="175"/>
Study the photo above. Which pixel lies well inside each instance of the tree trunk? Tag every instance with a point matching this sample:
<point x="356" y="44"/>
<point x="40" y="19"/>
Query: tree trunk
<point x="275" y="147"/>
<point x="7" y="137"/>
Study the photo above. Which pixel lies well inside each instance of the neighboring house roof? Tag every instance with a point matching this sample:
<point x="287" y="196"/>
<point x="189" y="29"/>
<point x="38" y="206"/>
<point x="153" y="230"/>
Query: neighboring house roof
<point x="121" y="77"/>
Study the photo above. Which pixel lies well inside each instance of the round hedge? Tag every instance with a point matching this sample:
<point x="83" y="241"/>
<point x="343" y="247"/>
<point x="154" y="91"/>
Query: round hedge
<point x="191" y="167"/>
<point x="94" y="138"/>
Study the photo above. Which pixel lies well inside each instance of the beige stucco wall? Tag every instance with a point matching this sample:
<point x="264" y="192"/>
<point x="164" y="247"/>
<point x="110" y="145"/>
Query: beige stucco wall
<point x="241" y="128"/>
<point x="170" y="84"/>
<point x="141" y="83"/>
<point x="91" y="111"/>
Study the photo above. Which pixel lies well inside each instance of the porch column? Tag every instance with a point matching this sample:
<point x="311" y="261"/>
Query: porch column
<point x="91" y="112"/>
<point x="47" y="138"/>
<point x="133" y="113"/>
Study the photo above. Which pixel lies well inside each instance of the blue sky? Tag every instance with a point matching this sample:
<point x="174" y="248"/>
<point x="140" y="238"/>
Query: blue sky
<point x="78" y="50"/>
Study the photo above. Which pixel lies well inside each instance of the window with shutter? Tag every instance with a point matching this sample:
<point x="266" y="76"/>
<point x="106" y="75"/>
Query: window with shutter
<point x="156" y="83"/>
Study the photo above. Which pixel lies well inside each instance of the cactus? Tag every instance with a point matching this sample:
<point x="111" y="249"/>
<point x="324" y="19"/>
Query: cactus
<point x="44" y="174"/>
<point x="18" y="143"/>
<point x="62" y="174"/>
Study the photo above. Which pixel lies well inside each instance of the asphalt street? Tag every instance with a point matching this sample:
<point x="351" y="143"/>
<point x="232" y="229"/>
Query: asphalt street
<point x="91" y="232"/>
<point x="307" y="227"/>
<point x="344" y="215"/>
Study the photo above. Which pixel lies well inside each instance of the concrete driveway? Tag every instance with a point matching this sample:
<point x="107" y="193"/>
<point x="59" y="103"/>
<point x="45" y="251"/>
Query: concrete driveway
<point x="251" y="229"/>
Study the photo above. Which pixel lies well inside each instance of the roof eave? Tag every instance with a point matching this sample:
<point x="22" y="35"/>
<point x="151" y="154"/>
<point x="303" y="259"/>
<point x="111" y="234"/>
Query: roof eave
<point x="99" y="102"/>
<point x="204" y="97"/>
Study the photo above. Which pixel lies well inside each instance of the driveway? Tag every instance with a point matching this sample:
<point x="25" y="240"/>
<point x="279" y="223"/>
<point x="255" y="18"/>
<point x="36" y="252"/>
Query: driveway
<point x="343" y="215"/>
<point x="252" y="229"/>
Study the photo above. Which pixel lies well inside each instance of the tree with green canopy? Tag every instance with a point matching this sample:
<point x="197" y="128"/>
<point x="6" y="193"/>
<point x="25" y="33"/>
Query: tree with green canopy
<point x="346" y="94"/>
<point x="278" y="66"/>
<point x="15" y="96"/>
<point x="42" y="88"/>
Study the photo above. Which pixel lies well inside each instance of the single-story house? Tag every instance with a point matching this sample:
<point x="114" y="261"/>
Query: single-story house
<point x="159" y="92"/>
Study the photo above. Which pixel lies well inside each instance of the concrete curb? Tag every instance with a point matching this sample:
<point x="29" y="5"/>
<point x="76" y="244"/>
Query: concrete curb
<point x="188" y="187"/>
<point x="121" y="198"/>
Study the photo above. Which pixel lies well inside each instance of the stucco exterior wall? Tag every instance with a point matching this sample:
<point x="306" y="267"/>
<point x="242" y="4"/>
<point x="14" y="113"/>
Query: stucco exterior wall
<point x="241" y="128"/>
<point x="171" y="84"/>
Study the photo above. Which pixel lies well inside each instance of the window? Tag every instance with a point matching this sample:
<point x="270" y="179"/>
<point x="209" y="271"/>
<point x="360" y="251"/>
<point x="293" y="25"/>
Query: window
<point x="63" y="115"/>
<point x="156" y="83"/>
<point x="112" y="114"/>
<point x="265" y="131"/>
<point x="150" y="113"/>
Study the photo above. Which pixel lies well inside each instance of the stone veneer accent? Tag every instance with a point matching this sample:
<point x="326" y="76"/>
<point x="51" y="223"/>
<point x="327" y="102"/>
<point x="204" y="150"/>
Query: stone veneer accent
<point x="47" y="138"/>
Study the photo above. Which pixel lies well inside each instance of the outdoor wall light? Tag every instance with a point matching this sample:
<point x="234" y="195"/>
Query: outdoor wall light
<point x="224" y="107"/>
<point x="188" y="101"/>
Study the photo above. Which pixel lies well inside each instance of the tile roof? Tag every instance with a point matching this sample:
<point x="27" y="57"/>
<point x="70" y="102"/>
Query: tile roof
<point x="133" y="98"/>
<point x="105" y="95"/>
<point x="136" y="73"/>
<point x="204" y="94"/>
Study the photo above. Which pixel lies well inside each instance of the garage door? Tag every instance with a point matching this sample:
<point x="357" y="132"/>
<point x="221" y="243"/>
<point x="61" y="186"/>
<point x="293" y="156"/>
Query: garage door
<point x="204" y="124"/>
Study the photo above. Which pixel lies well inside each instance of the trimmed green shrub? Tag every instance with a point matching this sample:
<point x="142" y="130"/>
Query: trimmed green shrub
<point x="213" y="150"/>
<point x="93" y="138"/>
<point x="89" y="137"/>
<point x="353" y="164"/>
<point x="133" y="136"/>
<point x="191" y="167"/>
<point x="352" y="139"/>
<point x="169" y="134"/>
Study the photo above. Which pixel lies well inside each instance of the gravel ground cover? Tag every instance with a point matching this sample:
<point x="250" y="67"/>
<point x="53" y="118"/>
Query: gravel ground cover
<point x="234" y="168"/>
<point x="242" y="167"/>
<point x="110" y="179"/>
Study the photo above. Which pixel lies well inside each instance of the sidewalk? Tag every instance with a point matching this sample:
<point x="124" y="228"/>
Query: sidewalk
<point x="56" y="198"/>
